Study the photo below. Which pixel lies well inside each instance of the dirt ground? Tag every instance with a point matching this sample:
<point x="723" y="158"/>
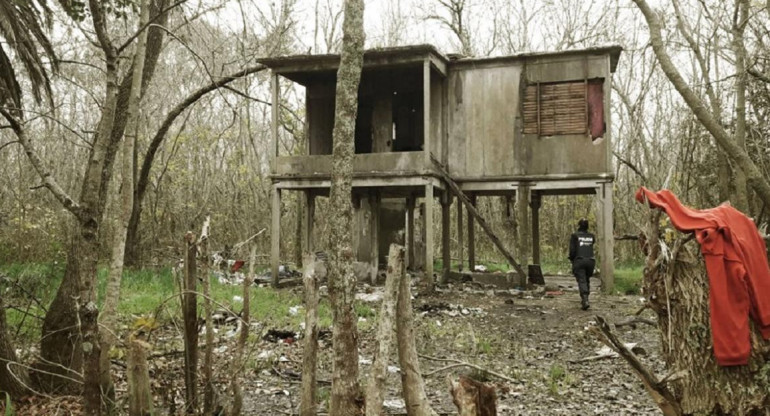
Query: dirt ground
<point x="532" y="339"/>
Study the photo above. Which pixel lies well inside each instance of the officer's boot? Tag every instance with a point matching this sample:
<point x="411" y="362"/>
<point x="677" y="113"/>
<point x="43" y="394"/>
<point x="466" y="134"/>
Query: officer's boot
<point x="584" y="301"/>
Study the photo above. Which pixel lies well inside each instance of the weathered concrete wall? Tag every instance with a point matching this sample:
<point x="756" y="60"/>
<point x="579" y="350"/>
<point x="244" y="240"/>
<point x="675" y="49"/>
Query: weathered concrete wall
<point x="396" y="162"/>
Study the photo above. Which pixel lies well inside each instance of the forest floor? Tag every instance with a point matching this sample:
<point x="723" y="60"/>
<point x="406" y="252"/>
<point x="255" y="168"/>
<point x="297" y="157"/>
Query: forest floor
<point x="534" y="340"/>
<point x="532" y="337"/>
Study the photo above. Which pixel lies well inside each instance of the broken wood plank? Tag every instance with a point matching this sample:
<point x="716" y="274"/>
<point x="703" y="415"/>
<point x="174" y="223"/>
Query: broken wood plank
<point x="475" y="213"/>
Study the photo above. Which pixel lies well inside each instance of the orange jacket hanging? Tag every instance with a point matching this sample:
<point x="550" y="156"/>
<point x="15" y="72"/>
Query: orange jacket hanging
<point x="736" y="262"/>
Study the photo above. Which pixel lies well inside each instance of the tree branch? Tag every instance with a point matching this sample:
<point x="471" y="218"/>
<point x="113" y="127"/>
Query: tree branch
<point x="737" y="154"/>
<point x="48" y="180"/>
<point x="146" y="25"/>
<point x="160" y="135"/>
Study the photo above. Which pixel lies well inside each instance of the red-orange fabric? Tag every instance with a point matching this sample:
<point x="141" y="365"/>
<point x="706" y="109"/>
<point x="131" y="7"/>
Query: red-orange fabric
<point x="736" y="262"/>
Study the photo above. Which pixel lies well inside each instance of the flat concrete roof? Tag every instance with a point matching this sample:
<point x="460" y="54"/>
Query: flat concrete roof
<point x="304" y="68"/>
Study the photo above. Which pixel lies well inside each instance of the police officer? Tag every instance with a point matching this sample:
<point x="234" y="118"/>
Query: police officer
<point x="581" y="255"/>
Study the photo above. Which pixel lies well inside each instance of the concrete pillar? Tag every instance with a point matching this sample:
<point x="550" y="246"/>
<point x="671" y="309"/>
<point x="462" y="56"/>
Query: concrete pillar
<point x="471" y="238"/>
<point x="535" y="203"/>
<point x="307" y="236"/>
<point x="460" y="231"/>
<point x="446" y="223"/>
<point x="525" y="226"/>
<point x="428" y="221"/>
<point x="275" y="234"/>
<point x="605" y="236"/>
<point x="410" y="201"/>
<point x="374" y="233"/>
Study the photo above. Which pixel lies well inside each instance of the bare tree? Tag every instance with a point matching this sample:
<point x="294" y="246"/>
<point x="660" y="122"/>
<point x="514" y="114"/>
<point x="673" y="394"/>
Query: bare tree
<point x="727" y="142"/>
<point x="342" y="281"/>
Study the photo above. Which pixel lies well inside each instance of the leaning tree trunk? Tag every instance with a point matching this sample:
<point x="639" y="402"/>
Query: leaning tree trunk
<point x="342" y="281"/>
<point x="677" y="287"/>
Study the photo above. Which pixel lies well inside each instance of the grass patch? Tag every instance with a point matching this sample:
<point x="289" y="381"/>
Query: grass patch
<point x="146" y="292"/>
<point x="628" y="279"/>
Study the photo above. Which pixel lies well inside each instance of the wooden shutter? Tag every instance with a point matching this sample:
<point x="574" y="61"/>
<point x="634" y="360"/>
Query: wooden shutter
<point x="554" y="109"/>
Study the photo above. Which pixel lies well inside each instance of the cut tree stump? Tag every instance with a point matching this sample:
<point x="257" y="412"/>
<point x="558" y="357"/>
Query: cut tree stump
<point x="473" y="398"/>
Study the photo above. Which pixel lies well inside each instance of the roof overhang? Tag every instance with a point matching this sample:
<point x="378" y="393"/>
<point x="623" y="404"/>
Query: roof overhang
<point x="613" y="51"/>
<point x="303" y="68"/>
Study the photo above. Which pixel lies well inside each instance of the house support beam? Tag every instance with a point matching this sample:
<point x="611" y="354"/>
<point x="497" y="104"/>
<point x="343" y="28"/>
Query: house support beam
<point x="308" y="219"/>
<point x="428" y="221"/>
<point x="525" y="225"/>
<point x="374" y="232"/>
<point x="275" y="234"/>
<point x="410" y="252"/>
<point x="604" y="208"/>
<point x="460" y="242"/>
<point x="446" y="224"/>
<point x="534" y="203"/>
<point x="471" y="236"/>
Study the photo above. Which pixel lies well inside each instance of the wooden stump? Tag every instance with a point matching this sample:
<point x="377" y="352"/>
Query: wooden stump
<point x="473" y="398"/>
<point x="139" y="392"/>
<point x="375" y="390"/>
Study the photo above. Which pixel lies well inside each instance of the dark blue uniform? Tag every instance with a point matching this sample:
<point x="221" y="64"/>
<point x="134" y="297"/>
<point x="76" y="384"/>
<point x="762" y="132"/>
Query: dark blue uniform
<point x="581" y="254"/>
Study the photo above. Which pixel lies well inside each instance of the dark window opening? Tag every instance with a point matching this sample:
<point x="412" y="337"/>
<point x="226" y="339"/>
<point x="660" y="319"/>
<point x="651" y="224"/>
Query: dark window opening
<point x="407" y="122"/>
<point x="563" y="108"/>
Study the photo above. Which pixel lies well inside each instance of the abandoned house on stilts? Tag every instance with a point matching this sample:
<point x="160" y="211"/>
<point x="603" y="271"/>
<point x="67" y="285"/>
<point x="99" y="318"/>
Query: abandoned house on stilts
<point x="524" y="127"/>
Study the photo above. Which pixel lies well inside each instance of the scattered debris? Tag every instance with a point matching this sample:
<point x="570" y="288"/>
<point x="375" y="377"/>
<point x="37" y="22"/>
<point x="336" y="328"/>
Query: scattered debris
<point x="277" y="335"/>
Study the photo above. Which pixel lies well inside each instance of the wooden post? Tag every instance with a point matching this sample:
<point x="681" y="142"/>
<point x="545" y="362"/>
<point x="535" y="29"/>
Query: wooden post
<point x="374" y="234"/>
<point x="275" y="110"/>
<point x="208" y="386"/>
<point x="460" y="242"/>
<point x="604" y="206"/>
<point x="138" y="373"/>
<point x="471" y="237"/>
<point x="426" y="146"/>
<point x="428" y="221"/>
<point x="446" y="223"/>
<point x="310" y="353"/>
<point x="410" y="202"/>
<point x="190" y="317"/>
<point x="307" y="236"/>
<point x="522" y="211"/>
<point x="412" y="384"/>
<point x="375" y="389"/>
<point x="275" y="234"/>
<point x="535" y="205"/>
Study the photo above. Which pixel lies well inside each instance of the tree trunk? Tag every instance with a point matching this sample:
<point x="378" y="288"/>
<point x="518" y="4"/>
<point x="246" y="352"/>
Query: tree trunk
<point x="375" y="390"/>
<point x="112" y="295"/>
<point x="190" y="317"/>
<point x="677" y="286"/>
<point x="61" y="332"/>
<point x="342" y="281"/>
<point x="310" y="353"/>
<point x="412" y="384"/>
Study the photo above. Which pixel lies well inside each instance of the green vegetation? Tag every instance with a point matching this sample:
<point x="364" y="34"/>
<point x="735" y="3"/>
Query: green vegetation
<point x="146" y="292"/>
<point x="628" y="279"/>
